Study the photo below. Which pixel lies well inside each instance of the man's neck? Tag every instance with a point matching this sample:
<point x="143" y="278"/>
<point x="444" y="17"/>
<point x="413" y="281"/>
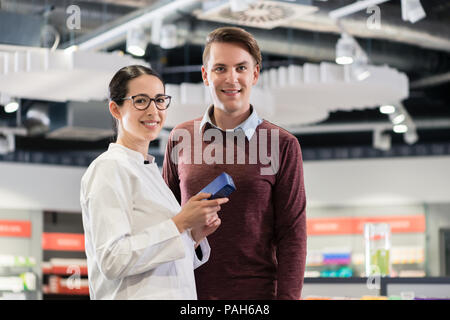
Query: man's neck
<point x="227" y="121"/>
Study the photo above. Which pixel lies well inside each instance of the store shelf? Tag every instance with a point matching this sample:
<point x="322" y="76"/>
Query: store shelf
<point x="65" y="267"/>
<point x="66" y="286"/>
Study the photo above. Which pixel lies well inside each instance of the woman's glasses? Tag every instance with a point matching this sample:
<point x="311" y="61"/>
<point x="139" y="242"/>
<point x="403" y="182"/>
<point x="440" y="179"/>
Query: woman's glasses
<point x="142" y="101"/>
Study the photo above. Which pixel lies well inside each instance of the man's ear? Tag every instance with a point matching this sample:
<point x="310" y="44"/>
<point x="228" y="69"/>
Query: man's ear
<point x="114" y="110"/>
<point x="205" y="76"/>
<point x="256" y="73"/>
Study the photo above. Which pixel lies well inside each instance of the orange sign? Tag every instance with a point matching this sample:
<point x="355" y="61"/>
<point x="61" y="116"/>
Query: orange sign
<point x="355" y="225"/>
<point x="63" y="241"/>
<point x="13" y="228"/>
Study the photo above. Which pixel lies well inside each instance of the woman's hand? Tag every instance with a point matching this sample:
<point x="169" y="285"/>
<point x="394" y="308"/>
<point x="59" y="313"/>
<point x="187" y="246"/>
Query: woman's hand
<point x="198" y="234"/>
<point x="198" y="213"/>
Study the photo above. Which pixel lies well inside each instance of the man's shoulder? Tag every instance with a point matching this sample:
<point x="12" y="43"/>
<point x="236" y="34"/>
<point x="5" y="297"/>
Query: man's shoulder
<point x="283" y="134"/>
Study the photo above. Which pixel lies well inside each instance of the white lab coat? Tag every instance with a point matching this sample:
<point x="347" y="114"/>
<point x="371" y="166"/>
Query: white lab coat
<point x="134" y="249"/>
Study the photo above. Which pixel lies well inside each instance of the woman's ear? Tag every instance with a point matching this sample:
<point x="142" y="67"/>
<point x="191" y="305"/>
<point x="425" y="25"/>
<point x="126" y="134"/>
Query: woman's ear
<point x="114" y="110"/>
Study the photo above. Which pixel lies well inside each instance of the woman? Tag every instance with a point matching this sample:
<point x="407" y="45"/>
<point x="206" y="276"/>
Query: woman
<point x="140" y="244"/>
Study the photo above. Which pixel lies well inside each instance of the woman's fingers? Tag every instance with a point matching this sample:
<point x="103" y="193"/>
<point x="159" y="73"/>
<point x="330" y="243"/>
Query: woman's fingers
<point x="215" y="202"/>
<point x="201" y="196"/>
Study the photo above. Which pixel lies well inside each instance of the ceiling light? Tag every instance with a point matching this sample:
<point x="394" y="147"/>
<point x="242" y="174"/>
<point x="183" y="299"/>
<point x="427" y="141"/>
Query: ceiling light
<point x="71" y="49"/>
<point x="400" y="128"/>
<point x="387" y="109"/>
<point x="136" y="42"/>
<point x="344" y="60"/>
<point x="345" y="49"/>
<point x="360" y="69"/>
<point x="37" y="120"/>
<point x="411" y="136"/>
<point x="145" y="17"/>
<point x="169" y="37"/>
<point x="12" y="106"/>
<point x="398" y="116"/>
<point x="412" y="11"/>
<point x="398" y="119"/>
<point x="7" y="143"/>
<point x="381" y="141"/>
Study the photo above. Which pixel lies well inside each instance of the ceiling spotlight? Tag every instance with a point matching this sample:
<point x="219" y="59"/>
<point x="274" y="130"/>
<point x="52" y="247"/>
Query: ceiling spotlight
<point x="400" y="128"/>
<point x="168" y="39"/>
<point x="7" y="143"/>
<point x="387" y="109"/>
<point x="411" y="136"/>
<point x="37" y="120"/>
<point x="12" y="106"/>
<point x="397" y="117"/>
<point x="412" y="11"/>
<point x="345" y="49"/>
<point x="136" y="42"/>
<point x="360" y="69"/>
<point x="381" y="141"/>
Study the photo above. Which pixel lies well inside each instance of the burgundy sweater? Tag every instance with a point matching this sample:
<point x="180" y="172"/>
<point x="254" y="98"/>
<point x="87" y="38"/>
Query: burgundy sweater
<point x="259" y="251"/>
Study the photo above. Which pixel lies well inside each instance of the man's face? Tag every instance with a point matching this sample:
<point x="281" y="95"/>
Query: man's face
<point x="230" y="73"/>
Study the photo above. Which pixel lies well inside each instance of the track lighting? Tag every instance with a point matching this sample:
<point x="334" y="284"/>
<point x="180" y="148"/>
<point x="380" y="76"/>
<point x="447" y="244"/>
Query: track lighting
<point x="168" y="38"/>
<point x="387" y="109"/>
<point x="397" y="118"/>
<point x="412" y="11"/>
<point x="360" y="68"/>
<point x="400" y="128"/>
<point x="7" y="143"/>
<point x="136" y="41"/>
<point x="345" y="49"/>
<point x="348" y="51"/>
<point x="380" y="140"/>
<point x="12" y="106"/>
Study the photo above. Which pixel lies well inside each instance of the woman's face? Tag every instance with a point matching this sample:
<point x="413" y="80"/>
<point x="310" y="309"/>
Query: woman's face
<point x="142" y="125"/>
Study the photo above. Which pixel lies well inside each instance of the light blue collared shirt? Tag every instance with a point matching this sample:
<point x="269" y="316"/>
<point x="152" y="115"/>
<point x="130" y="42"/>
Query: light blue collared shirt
<point x="248" y="126"/>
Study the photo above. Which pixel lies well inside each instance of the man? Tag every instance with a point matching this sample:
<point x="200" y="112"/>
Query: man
<point x="259" y="251"/>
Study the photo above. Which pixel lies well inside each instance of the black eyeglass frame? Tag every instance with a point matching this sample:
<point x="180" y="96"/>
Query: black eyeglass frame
<point x="150" y="101"/>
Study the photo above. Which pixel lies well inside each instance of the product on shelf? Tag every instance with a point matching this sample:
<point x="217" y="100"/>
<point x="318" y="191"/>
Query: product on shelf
<point x="23" y="282"/>
<point x="377" y="245"/>
<point x="65" y="266"/>
<point x="16" y="261"/>
<point x="71" y="286"/>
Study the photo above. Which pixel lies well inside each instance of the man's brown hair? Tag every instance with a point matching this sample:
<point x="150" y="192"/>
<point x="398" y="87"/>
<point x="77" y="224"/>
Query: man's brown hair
<point x="233" y="34"/>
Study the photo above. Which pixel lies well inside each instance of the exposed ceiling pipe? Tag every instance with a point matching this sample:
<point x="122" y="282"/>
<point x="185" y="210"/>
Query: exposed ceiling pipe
<point x="93" y="14"/>
<point x="428" y="33"/>
<point x="114" y="33"/>
<point x="430" y="81"/>
<point x="363" y="127"/>
<point x="321" y="47"/>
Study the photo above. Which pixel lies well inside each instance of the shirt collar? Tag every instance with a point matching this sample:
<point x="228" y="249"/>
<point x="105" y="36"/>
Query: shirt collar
<point x="248" y="126"/>
<point x="131" y="153"/>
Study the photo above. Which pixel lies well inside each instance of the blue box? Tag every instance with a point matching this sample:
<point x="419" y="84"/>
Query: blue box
<point x="220" y="187"/>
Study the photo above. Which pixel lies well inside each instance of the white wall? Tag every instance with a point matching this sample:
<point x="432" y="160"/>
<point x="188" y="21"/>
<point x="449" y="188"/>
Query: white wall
<point x="29" y="186"/>
<point x="397" y="181"/>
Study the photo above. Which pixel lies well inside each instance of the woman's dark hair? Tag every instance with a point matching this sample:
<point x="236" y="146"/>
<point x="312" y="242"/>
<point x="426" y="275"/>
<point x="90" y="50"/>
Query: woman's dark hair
<point x="118" y="87"/>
